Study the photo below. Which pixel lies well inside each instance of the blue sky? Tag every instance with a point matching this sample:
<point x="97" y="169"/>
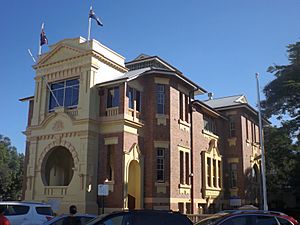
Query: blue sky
<point x="219" y="44"/>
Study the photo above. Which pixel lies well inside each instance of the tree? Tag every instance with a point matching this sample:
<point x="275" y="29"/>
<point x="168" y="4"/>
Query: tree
<point x="283" y="93"/>
<point x="11" y="170"/>
<point x="281" y="163"/>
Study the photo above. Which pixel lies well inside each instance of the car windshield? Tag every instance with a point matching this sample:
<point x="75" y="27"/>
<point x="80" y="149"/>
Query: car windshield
<point x="210" y="220"/>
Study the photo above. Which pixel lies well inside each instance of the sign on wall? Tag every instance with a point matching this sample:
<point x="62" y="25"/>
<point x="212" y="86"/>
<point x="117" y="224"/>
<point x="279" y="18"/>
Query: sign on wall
<point x="102" y="189"/>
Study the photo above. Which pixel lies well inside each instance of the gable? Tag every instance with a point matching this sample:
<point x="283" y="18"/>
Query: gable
<point x="59" y="53"/>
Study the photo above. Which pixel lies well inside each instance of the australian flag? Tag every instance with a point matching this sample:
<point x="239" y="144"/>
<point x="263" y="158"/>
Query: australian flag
<point x="43" y="39"/>
<point x="95" y="17"/>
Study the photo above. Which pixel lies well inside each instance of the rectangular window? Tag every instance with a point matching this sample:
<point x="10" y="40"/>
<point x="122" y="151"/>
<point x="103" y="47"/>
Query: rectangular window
<point x="110" y="162"/>
<point x="130" y="96"/>
<point x="209" y="124"/>
<point x="233" y="175"/>
<point x="181" y="105"/>
<point x="219" y="175"/>
<point x="247" y="130"/>
<point x="138" y="100"/>
<point x="181" y="161"/>
<point x="214" y="173"/>
<point x="209" y="172"/>
<point x="187" y="168"/>
<point x="134" y="96"/>
<point x="186" y="107"/>
<point x="113" y="97"/>
<point x="64" y="93"/>
<point x="232" y="129"/>
<point x="160" y="98"/>
<point x="160" y="164"/>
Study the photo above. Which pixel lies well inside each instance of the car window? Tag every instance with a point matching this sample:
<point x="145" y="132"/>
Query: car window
<point x="175" y="219"/>
<point x="14" y="210"/>
<point x="84" y="220"/>
<point x="284" y="221"/>
<point x="58" y="222"/>
<point x="147" y="219"/>
<point x="115" y="220"/>
<point x="44" y="211"/>
<point x="237" y="220"/>
<point x="160" y="219"/>
<point x="266" y="220"/>
<point x="209" y="221"/>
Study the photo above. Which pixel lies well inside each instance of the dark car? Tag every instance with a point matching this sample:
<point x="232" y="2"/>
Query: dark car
<point x="83" y="218"/>
<point x="249" y="217"/>
<point x="142" y="217"/>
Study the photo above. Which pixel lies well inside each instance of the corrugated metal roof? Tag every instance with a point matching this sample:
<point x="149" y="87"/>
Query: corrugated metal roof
<point x="227" y="101"/>
<point x="126" y="76"/>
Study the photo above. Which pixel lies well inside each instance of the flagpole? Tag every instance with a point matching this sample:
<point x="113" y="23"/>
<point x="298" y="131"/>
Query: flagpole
<point x="90" y="22"/>
<point x="263" y="174"/>
<point x="40" y="46"/>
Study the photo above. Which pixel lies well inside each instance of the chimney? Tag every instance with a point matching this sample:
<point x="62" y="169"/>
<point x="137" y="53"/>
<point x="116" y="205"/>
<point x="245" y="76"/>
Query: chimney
<point x="210" y="95"/>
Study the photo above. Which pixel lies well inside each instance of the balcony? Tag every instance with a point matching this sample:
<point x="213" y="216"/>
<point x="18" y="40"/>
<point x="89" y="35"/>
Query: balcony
<point x="55" y="191"/>
<point x="113" y="111"/>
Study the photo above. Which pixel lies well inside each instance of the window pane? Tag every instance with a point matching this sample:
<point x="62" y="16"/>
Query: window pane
<point x="72" y="82"/>
<point x="64" y="93"/>
<point x="265" y="220"/>
<point x="17" y="209"/>
<point x="59" y="85"/>
<point x="240" y="220"/>
<point x="160" y="98"/>
<point x="130" y="98"/>
<point x="44" y="211"/>
<point x="138" y="101"/>
<point x="284" y="221"/>
<point x="113" y="97"/>
<point x="113" y="221"/>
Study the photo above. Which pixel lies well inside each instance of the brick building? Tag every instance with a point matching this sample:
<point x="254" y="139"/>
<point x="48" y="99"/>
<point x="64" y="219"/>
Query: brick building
<point x="137" y="128"/>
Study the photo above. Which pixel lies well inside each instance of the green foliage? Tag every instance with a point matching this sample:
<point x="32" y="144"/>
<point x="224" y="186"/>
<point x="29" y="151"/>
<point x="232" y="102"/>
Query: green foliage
<point x="11" y="170"/>
<point x="283" y="93"/>
<point x="280" y="160"/>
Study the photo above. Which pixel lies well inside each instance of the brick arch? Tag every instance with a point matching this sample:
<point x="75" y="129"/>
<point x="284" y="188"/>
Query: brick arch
<point x="54" y="144"/>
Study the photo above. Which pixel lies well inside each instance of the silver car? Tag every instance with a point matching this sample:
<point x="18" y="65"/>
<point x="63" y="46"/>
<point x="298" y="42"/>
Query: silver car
<point x="58" y="220"/>
<point x="27" y="213"/>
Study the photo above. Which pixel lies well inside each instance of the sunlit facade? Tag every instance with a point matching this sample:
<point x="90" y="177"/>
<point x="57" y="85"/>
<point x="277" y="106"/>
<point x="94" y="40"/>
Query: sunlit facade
<point x="137" y="128"/>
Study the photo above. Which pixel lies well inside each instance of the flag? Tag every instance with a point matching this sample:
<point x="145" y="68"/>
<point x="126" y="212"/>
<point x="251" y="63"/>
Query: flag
<point x="95" y="17"/>
<point x="43" y="39"/>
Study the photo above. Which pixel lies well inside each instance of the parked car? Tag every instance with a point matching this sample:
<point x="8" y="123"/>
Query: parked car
<point x="249" y="217"/>
<point x="27" y="213"/>
<point x="58" y="220"/>
<point x="142" y="217"/>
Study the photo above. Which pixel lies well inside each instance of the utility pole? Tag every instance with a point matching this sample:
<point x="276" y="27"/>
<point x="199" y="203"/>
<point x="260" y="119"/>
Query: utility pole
<point x="263" y="167"/>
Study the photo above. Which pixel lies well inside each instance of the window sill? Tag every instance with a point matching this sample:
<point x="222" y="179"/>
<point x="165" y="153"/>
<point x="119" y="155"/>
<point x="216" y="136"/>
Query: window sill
<point x="185" y="186"/>
<point x="161" y="184"/>
<point x="208" y="133"/>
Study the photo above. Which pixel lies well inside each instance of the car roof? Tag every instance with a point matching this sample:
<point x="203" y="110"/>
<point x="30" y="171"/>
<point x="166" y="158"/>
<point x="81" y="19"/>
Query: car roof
<point x="24" y="203"/>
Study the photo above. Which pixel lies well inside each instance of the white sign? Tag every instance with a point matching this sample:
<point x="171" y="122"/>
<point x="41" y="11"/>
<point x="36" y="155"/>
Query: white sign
<point x="102" y="189"/>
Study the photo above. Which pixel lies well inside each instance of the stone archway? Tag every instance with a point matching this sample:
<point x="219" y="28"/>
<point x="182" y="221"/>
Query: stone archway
<point x="134" y="185"/>
<point x="133" y="192"/>
<point x="58" y="167"/>
<point x="57" y="163"/>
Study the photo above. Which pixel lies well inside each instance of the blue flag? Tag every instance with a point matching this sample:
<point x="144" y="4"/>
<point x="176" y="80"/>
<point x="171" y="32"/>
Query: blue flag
<point x="95" y="17"/>
<point x="43" y="38"/>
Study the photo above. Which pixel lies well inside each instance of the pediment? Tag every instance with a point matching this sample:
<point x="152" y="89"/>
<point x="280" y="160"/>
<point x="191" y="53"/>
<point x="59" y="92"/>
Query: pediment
<point x="59" y="53"/>
<point x="241" y="99"/>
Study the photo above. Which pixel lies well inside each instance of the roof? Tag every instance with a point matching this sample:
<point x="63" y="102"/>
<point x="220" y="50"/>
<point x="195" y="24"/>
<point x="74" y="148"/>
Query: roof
<point x="124" y="77"/>
<point x="227" y="101"/>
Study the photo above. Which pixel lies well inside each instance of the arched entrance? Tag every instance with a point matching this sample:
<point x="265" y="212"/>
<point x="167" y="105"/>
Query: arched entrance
<point x="58" y="165"/>
<point x="134" y="185"/>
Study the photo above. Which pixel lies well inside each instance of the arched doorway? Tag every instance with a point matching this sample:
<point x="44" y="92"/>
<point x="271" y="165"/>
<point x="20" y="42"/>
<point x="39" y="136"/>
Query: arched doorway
<point x="58" y="167"/>
<point x="256" y="175"/>
<point x="134" y="185"/>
